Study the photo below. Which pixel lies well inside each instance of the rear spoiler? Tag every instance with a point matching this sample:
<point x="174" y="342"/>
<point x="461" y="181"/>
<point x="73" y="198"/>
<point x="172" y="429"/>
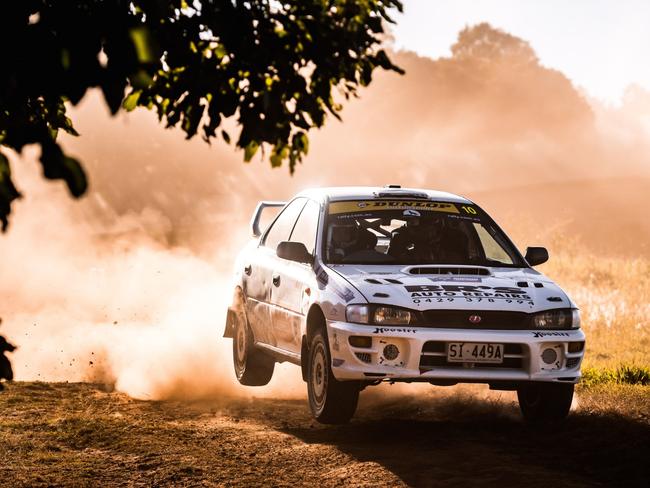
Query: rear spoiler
<point x="255" y="220"/>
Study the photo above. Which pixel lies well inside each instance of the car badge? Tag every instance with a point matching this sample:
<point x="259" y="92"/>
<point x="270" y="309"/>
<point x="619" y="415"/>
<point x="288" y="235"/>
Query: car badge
<point x="474" y="319"/>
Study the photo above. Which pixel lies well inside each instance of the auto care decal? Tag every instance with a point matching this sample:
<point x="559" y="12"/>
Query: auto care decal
<point x="468" y="293"/>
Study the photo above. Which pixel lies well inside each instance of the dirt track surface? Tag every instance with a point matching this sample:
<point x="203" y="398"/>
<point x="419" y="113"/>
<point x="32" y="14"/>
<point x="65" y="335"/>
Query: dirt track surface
<point x="81" y="435"/>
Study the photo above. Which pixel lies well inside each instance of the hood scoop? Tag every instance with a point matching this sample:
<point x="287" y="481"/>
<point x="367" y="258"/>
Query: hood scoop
<point x="448" y="270"/>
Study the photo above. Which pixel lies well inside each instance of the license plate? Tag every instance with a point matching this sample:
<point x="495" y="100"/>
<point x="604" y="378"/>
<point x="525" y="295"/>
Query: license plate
<point x="472" y="352"/>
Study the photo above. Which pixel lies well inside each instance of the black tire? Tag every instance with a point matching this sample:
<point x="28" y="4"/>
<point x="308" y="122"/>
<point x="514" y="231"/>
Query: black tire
<point x="545" y="402"/>
<point x="252" y="366"/>
<point x="330" y="401"/>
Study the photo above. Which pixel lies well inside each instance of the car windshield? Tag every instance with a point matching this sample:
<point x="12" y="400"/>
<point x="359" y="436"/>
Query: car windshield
<point x="414" y="232"/>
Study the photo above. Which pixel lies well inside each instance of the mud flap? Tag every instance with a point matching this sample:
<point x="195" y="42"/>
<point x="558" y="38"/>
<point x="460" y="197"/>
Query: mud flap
<point x="304" y="357"/>
<point x="231" y="320"/>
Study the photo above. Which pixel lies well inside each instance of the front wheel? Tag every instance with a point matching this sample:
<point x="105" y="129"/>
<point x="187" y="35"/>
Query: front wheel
<point x="545" y="402"/>
<point x="252" y="366"/>
<point x="331" y="401"/>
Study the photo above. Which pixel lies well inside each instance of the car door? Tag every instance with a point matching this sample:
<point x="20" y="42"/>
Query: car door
<point x="292" y="282"/>
<point x="258" y="272"/>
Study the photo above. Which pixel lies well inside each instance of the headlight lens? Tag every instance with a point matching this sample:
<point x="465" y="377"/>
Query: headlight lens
<point x="391" y="316"/>
<point x="372" y="314"/>
<point x="359" y="314"/>
<point x="555" y="319"/>
<point x="575" y="323"/>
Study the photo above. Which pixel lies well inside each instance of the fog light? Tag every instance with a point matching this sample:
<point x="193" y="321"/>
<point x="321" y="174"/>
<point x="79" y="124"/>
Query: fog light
<point x="360" y="341"/>
<point x="391" y="351"/>
<point x="576" y="346"/>
<point x="549" y="356"/>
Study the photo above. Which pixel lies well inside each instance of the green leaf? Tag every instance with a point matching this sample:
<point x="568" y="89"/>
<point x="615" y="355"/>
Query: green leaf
<point x="301" y="142"/>
<point x="131" y="101"/>
<point x="145" y="47"/>
<point x="250" y="150"/>
<point x="113" y="86"/>
<point x="220" y="51"/>
<point x="75" y="177"/>
<point x="58" y="166"/>
<point x="279" y="154"/>
<point x="140" y="79"/>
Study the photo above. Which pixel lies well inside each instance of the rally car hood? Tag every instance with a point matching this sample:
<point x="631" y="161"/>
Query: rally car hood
<point x="453" y="287"/>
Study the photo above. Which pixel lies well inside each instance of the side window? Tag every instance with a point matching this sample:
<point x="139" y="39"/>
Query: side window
<point x="307" y="226"/>
<point x="493" y="250"/>
<point x="281" y="229"/>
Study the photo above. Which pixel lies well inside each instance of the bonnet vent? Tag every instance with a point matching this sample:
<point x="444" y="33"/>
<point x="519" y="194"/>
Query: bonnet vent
<point x="449" y="270"/>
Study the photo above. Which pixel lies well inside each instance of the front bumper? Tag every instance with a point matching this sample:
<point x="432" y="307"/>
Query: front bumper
<point x="423" y="354"/>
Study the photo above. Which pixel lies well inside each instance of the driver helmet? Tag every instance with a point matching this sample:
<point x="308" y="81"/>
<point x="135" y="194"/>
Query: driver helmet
<point x="432" y="226"/>
<point x="345" y="235"/>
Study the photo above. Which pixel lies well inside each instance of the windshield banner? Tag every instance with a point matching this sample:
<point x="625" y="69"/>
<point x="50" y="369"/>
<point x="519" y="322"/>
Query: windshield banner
<point x="363" y="206"/>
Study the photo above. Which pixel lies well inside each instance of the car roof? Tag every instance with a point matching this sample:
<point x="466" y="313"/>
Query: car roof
<point x="337" y="193"/>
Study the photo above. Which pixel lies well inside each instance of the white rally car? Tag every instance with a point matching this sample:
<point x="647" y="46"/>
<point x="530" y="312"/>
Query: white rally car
<point x="363" y="285"/>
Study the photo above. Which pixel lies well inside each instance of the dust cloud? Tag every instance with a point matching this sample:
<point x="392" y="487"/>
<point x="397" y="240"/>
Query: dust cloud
<point x="92" y="296"/>
<point x="129" y="286"/>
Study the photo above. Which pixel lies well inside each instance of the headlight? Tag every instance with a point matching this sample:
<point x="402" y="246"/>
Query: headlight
<point x="380" y="315"/>
<point x="556" y="319"/>
<point x="359" y="314"/>
<point x="391" y="316"/>
<point x="575" y="323"/>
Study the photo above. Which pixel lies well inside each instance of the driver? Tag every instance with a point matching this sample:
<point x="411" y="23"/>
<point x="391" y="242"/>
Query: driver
<point x="352" y="239"/>
<point x="429" y="239"/>
<point x="344" y="240"/>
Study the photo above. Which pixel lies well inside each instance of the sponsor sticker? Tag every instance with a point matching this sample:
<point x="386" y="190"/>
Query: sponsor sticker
<point x="379" y="205"/>
<point x="323" y="280"/>
<point x="384" y="330"/>
<point x="550" y="334"/>
<point x="470" y="293"/>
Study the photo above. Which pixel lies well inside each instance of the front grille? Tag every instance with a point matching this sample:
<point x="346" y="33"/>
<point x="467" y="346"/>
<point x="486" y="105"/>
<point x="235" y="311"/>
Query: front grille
<point x="434" y="355"/>
<point x="363" y="356"/>
<point x="572" y="362"/>
<point x="489" y="319"/>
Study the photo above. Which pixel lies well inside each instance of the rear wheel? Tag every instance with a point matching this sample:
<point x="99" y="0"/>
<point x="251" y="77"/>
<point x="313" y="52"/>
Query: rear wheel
<point x="331" y="401"/>
<point x="545" y="402"/>
<point x="252" y="366"/>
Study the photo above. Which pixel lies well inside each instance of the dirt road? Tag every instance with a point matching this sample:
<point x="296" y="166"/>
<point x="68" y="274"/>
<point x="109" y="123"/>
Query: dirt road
<point x="83" y="435"/>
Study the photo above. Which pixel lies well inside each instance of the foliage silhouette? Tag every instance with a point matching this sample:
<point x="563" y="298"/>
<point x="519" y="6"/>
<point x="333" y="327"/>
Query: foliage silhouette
<point x="273" y="65"/>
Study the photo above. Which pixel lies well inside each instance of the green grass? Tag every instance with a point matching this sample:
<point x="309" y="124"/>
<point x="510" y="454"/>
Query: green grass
<point x="624" y="374"/>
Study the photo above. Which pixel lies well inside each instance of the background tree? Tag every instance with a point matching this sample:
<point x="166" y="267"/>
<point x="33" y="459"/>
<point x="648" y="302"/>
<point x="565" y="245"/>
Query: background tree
<point x="273" y="65"/>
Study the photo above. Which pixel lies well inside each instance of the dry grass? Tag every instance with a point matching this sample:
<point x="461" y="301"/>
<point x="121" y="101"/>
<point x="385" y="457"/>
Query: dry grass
<point x="613" y="294"/>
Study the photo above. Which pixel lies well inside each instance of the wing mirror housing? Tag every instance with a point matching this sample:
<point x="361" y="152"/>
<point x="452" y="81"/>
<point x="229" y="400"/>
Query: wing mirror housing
<point x="536" y="255"/>
<point x="294" y="251"/>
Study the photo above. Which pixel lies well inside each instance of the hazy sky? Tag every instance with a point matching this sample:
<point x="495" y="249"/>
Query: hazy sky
<point x="602" y="45"/>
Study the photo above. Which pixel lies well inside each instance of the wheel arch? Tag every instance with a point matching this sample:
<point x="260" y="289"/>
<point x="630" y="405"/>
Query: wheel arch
<point x="314" y="321"/>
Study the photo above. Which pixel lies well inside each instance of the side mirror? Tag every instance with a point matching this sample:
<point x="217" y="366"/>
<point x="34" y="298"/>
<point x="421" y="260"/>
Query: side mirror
<point x="294" y="251"/>
<point x="536" y="255"/>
